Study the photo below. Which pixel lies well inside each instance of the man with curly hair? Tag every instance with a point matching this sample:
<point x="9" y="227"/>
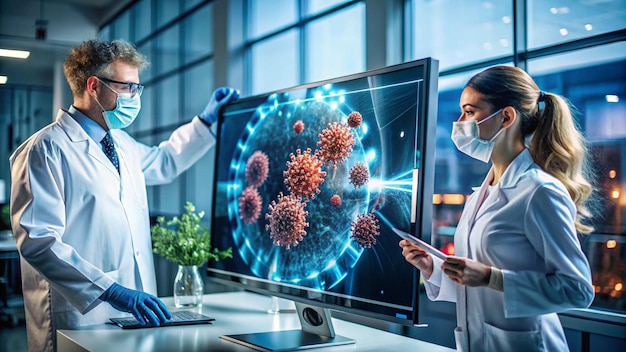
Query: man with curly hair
<point x="79" y="208"/>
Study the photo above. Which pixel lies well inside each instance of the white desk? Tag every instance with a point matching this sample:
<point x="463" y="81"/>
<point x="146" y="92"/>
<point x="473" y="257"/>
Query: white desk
<point x="235" y="313"/>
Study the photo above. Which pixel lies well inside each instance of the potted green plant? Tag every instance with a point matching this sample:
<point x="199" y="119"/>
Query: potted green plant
<point x="187" y="243"/>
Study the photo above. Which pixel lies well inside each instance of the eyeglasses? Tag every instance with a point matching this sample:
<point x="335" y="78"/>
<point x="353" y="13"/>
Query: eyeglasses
<point x="133" y="88"/>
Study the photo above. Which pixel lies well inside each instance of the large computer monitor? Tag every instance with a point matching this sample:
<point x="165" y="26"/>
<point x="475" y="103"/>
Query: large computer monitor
<point x="310" y="181"/>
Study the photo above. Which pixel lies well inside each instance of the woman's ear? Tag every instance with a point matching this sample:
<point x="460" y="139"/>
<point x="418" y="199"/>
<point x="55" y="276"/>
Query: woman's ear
<point x="508" y="116"/>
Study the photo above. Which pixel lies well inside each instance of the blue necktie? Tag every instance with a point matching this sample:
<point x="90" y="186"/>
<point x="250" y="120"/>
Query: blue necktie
<point x="109" y="150"/>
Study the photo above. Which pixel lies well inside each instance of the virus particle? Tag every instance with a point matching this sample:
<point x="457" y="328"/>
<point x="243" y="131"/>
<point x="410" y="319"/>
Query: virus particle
<point x="335" y="200"/>
<point x="355" y="119"/>
<point x="287" y="220"/>
<point x="250" y="205"/>
<point x="359" y="175"/>
<point x="335" y="143"/>
<point x="364" y="229"/>
<point x="257" y="168"/>
<point x="304" y="174"/>
<point x="298" y="127"/>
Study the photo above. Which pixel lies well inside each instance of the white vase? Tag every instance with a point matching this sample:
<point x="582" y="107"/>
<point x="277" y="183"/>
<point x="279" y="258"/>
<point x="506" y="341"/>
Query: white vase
<point x="188" y="287"/>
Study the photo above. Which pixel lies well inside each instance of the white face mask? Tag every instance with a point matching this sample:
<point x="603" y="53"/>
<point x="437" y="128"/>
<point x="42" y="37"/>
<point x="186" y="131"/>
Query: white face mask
<point x="125" y="112"/>
<point x="465" y="135"/>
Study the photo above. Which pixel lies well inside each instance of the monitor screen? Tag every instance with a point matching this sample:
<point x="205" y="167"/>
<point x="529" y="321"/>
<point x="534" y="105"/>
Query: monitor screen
<point x="311" y="180"/>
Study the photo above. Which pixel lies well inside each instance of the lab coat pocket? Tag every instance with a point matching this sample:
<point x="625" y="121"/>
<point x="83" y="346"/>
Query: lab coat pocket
<point x="503" y="340"/>
<point x="461" y="340"/>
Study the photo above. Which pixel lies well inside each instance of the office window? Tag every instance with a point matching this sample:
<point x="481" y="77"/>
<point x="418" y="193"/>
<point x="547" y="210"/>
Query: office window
<point x="105" y="33"/>
<point x="191" y="3"/>
<point x="167" y="10"/>
<point x="198" y="85"/>
<point x="554" y="21"/>
<point x="199" y="184"/>
<point x="186" y="41"/>
<point x="461" y="32"/>
<point x="586" y="57"/>
<point x="313" y="7"/>
<point x="269" y="15"/>
<point x="275" y="63"/>
<point x="198" y="37"/>
<point x="122" y="27"/>
<point x="147" y="49"/>
<point x="198" y="88"/>
<point x="168" y="196"/>
<point x="335" y="44"/>
<point x="166" y="199"/>
<point x="168" y="50"/>
<point x="168" y="103"/>
<point x="142" y="12"/>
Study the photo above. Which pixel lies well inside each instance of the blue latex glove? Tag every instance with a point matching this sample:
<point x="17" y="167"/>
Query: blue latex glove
<point x="146" y="308"/>
<point x="221" y="96"/>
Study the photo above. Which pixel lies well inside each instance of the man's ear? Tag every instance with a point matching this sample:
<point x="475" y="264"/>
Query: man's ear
<point x="92" y="83"/>
<point x="508" y="116"/>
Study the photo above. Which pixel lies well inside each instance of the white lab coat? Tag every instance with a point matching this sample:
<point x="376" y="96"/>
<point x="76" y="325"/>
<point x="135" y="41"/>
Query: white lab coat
<point x="526" y="228"/>
<point x="80" y="226"/>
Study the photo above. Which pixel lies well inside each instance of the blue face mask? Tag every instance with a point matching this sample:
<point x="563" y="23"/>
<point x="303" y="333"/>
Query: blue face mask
<point x="125" y="111"/>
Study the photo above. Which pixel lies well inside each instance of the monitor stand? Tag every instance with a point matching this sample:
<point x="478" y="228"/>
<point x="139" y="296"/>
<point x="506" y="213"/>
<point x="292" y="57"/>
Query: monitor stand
<point x="317" y="331"/>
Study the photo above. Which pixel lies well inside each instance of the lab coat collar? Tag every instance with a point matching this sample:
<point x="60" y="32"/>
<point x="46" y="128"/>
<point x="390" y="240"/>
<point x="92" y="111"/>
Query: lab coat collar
<point x="509" y="179"/>
<point x="70" y="126"/>
<point x="77" y="134"/>
<point x="521" y="163"/>
<point x="91" y="127"/>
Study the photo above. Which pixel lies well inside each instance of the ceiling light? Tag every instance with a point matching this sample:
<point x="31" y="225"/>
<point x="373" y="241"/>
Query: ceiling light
<point x="588" y="27"/>
<point x="611" y="98"/>
<point x="16" y="54"/>
<point x="563" y="31"/>
<point x="3" y="79"/>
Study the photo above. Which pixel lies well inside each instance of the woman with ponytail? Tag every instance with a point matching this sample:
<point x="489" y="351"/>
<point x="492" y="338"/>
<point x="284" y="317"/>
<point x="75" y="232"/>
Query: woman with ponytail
<point x="518" y="260"/>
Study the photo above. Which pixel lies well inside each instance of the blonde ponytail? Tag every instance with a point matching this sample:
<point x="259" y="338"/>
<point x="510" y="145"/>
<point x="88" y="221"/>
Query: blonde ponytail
<point x="559" y="148"/>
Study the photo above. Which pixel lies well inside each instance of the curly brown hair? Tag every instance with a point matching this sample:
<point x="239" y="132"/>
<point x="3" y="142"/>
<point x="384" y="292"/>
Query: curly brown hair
<point x="94" y="58"/>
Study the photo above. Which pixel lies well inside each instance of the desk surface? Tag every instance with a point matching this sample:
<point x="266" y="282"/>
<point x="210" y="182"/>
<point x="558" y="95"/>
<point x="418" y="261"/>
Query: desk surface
<point x="234" y="313"/>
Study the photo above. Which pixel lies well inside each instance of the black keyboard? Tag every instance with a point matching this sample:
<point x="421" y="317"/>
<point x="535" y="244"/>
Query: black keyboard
<point x="178" y="318"/>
